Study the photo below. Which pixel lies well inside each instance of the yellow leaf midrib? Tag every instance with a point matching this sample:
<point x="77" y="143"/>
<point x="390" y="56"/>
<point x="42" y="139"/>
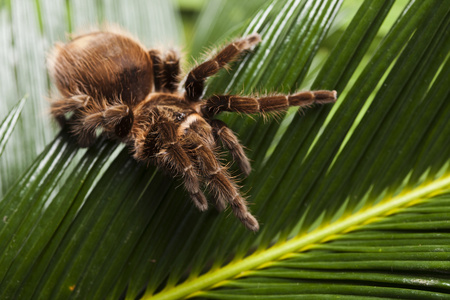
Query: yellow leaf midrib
<point x="296" y="244"/>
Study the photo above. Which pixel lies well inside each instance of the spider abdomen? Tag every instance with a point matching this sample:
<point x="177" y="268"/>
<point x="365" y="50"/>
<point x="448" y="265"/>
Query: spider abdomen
<point x="103" y="65"/>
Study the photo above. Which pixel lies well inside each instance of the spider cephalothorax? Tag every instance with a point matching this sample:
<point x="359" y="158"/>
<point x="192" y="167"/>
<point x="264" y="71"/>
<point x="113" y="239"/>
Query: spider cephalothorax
<point x="108" y="80"/>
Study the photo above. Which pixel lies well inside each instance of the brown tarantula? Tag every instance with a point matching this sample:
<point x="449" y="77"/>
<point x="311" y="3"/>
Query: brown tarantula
<point x="109" y="80"/>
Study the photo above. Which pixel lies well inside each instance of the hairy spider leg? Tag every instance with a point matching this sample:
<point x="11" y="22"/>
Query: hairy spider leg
<point x="59" y="108"/>
<point x="166" y="70"/>
<point x="156" y="58"/>
<point x="171" y="71"/>
<point x="195" y="80"/>
<point x="250" y="105"/>
<point x="219" y="181"/>
<point x="88" y="115"/>
<point x="73" y="104"/>
<point x="203" y="156"/>
<point x="163" y="146"/>
<point x="229" y="140"/>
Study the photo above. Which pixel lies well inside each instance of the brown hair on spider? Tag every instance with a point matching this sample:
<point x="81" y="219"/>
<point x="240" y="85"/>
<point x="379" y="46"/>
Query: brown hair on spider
<point x="109" y="80"/>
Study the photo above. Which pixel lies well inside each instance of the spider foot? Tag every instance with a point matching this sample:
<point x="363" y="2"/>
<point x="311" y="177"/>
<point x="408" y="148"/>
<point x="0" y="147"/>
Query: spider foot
<point x="200" y="201"/>
<point x="240" y="211"/>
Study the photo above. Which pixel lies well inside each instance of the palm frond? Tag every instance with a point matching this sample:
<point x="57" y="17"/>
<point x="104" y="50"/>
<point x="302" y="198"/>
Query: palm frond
<point x="352" y="199"/>
<point x="404" y="255"/>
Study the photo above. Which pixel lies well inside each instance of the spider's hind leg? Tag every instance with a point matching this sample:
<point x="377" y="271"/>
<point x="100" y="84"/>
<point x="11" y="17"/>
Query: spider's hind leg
<point x="196" y="78"/>
<point x="73" y="104"/>
<point x="88" y="115"/>
<point x="166" y="70"/>
<point x="59" y="108"/>
<point x="115" y="119"/>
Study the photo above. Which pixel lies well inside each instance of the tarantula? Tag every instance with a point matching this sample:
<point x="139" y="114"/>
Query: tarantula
<point x="109" y="80"/>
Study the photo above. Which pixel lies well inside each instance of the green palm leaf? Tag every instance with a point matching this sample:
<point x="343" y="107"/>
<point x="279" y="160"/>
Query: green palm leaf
<point x="8" y="124"/>
<point x="353" y="199"/>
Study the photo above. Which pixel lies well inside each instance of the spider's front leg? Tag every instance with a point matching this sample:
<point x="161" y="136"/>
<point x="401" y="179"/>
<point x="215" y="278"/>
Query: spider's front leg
<point x="181" y="142"/>
<point x="231" y="142"/>
<point x="220" y="183"/>
<point x="163" y="146"/>
<point x="250" y="105"/>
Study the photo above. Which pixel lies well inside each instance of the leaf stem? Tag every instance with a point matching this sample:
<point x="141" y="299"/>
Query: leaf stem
<point x="264" y="258"/>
